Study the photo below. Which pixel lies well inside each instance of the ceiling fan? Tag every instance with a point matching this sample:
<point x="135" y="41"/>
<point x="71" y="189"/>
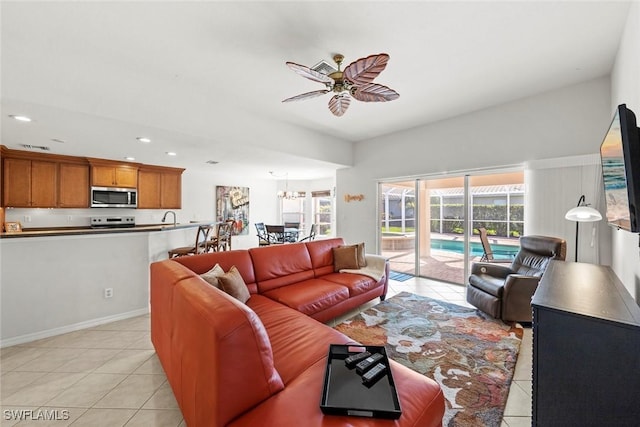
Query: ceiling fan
<point x="355" y="81"/>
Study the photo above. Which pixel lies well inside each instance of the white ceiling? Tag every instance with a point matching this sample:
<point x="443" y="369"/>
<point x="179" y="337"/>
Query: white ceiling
<point x="206" y="79"/>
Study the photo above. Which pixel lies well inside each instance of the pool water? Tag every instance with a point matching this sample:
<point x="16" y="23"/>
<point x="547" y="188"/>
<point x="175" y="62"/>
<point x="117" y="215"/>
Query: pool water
<point x="457" y="246"/>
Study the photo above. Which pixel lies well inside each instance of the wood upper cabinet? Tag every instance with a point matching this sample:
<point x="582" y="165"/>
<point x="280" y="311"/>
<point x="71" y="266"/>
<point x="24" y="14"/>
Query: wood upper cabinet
<point x="171" y="195"/>
<point x="148" y="189"/>
<point x="159" y="188"/>
<point x="73" y="190"/>
<point x="29" y="183"/>
<point x="114" y="175"/>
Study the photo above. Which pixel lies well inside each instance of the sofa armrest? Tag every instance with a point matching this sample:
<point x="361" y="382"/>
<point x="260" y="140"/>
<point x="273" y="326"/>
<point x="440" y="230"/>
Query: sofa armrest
<point x="383" y="263"/>
<point x="492" y="269"/>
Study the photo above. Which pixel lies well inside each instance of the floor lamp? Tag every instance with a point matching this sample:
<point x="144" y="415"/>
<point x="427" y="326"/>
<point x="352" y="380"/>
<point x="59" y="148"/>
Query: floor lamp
<point x="582" y="213"/>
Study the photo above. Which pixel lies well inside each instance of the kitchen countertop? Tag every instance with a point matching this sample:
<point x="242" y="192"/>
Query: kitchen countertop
<point x="70" y="231"/>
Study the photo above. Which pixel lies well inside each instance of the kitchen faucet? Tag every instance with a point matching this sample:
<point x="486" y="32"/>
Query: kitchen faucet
<point x="164" y="217"/>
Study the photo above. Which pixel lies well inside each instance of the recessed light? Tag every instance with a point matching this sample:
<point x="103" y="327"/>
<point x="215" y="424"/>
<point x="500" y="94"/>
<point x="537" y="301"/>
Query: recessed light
<point x="20" y="118"/>
<point x="131" y="159"/>
<point x="143" y="139"/>
<point x="170" y="153"/>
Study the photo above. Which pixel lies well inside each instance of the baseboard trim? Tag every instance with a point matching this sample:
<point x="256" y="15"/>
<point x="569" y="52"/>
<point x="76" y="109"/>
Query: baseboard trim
<point x="70" y="328"/>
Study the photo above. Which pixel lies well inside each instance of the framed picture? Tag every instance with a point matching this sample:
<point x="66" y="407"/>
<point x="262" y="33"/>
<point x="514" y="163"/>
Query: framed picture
<point x="232" y="203"/>
<point x="12" y="227"/>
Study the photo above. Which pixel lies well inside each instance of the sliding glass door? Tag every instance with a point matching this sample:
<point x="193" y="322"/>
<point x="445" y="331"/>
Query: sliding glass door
<point x="430" y="226"/>
<point x="443" y="228"/>
<point x="398" y="225"/>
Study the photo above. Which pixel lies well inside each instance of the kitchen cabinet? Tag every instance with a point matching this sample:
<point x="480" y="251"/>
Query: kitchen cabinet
<point x="586" y="358"/>
<point x="114" y="175"/>
<point x="171" y="190"/>
<point x="148" y="189"/>
<point x="159" y="188"/>
<point x="42" y="180"/>
<point x="29" y="183"/>
<point x="73" y="189"/>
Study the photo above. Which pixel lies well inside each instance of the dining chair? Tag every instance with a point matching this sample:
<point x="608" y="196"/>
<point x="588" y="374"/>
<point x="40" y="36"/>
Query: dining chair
<point x="275" y="234"/>
<point x="202" y="237"/>
<point x="263" y="238"/>
<point x="312" y="234"/>
<point x="291" y="231"/>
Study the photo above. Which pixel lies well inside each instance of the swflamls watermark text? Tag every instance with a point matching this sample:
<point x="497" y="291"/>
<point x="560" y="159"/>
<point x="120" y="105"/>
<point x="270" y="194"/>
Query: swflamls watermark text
<point x="36" y="414"/>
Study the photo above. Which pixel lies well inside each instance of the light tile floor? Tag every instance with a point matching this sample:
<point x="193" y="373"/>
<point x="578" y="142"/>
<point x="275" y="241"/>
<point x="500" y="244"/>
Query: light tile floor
<point x="110" y="376"/>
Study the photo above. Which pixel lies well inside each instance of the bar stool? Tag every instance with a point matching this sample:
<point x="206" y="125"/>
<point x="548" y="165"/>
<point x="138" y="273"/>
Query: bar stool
<point x="200" y="247"/>
<point x="222" y="239"/>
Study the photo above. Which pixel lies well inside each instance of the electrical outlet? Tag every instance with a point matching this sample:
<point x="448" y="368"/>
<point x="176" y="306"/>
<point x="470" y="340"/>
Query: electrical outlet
<point x="108" y="292"/>
<point x="27" y="218"/>
<point x="69" y="218"/>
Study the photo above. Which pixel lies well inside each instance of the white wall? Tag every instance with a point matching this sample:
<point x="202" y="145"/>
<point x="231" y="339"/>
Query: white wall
<point x="199" y="194"/>
<point x="570" y="121"/>
<point x="569" y="178"/>
<point x="625" y="89"/>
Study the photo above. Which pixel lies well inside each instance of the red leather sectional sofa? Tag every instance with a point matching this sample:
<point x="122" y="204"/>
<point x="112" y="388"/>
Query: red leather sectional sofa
<point x="262" y="363"/>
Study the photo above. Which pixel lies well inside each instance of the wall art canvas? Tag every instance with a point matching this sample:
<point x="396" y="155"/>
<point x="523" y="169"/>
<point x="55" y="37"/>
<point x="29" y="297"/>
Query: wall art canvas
<point x="232" y="203"/>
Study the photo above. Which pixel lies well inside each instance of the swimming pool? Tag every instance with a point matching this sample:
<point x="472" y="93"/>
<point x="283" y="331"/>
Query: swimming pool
<point x="457" y="246"/>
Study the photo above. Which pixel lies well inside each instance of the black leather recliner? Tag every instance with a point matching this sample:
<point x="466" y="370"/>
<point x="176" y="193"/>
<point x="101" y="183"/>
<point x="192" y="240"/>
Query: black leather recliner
<point x="504" y="291"/>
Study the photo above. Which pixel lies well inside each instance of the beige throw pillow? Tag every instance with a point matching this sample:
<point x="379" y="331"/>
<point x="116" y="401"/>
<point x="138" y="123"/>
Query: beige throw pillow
<point x="212" y="276"/>
<point x="232" y="283"/>
<point x="345" y="257"/>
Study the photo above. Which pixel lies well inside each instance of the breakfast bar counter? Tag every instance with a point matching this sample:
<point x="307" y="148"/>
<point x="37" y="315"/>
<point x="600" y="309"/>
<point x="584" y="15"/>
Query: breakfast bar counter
<point x="59" y="280"/>
<point x="70" y="231"/>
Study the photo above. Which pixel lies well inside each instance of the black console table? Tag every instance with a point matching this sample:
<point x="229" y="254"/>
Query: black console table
<point x="586" y="349"/>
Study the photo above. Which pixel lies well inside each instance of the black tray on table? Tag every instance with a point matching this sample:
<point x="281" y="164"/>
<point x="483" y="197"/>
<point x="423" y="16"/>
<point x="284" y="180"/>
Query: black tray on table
<point x="343" y="392"/>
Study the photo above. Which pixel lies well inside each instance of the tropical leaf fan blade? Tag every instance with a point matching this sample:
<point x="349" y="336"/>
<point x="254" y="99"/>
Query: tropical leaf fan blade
<point x="338" y="104"/>
<point x="364" y="70"/>
<point x="307" y="95"/>
<point x="309" y="73"/>
<point x="373" y="92"/>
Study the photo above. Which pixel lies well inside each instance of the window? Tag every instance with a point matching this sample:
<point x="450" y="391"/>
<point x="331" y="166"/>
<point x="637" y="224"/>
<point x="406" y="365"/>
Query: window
<point x="293" y="210"/>
<point x="322" y="211"/>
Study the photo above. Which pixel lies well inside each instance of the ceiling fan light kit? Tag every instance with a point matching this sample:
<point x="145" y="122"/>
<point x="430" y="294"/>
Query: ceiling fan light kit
<point x="354" y="82"/>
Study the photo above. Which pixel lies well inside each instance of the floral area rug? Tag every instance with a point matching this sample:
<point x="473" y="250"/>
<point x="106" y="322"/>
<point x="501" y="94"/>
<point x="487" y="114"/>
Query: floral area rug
<point x="471" y="355"/>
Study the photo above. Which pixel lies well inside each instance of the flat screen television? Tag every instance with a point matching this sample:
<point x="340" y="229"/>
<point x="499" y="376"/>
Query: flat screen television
<point x="620" y="157"/>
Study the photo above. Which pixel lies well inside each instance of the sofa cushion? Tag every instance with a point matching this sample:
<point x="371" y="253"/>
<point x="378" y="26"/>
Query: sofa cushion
<point x="211" y="276"/>
<point x="421" y="400"/>
<point x="309" y="296"/>
<point x="297" y="340"/>
<point x="356" y="283"/>
<point x="345" y="257"/>
<point x="231" y="282"/>
<point x="322" y="255"/>
<point x="489" y="284"/>
<point x="281" y="265"/>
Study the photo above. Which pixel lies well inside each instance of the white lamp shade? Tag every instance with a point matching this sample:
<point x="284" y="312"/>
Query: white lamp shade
<point x="583" y="214"/>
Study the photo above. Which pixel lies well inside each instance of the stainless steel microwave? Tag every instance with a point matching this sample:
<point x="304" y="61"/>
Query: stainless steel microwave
<point x="108" y="197"/>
